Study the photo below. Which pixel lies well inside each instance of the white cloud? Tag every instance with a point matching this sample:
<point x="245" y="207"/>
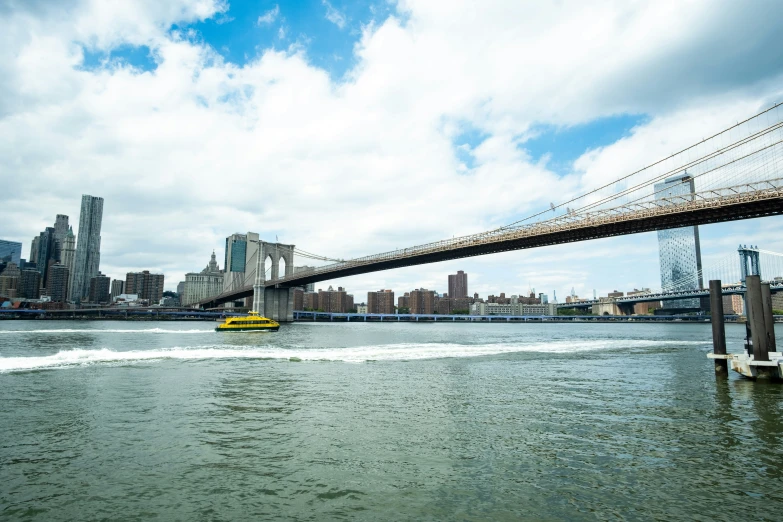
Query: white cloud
<point x="199" y="148"/>
<point x="333" y="15"/>
<point x="268" y="17"/>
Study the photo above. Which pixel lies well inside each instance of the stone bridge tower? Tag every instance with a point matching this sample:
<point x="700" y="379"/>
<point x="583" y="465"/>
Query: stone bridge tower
<point x="271" y="301"/>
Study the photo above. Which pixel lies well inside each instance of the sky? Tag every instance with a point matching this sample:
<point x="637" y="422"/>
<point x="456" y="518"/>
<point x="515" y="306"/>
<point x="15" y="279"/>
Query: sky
<point x="353" y="128"/>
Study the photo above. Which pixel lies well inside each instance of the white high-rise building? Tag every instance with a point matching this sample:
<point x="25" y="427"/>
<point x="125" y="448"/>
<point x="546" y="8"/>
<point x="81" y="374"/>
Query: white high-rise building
<point x="88" y="246"/>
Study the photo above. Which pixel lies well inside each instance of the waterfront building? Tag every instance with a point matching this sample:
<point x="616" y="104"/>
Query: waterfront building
<point x="310" y="301"/>
<point x="422" y="301"/>
<point x="29" y="284"/>
<point x="88" y="246"/>
<point x="57" y="287"/>
<point x="181" y="290"/>
<point x="144" y="284"/>
<point x="204" y="284"/>
<point x="99" y="289"/>
<point x="9" y="281"/>
<point x="448" y="305"/>
<point x="127" y="300"/>
<point x="10" y="252"/>
<point x="679" y="249"/>
<point x="335" y="301"/>
<point x="298" y="299"/>
<point x="479" y="308"/>
<point x="117" y="288"/>
<point x="732" y="304"/>
<point x="361" y="309"/>
<point x="380" y="302"/>
<point x="458" y="284"/>
<point x="404" y="301"/>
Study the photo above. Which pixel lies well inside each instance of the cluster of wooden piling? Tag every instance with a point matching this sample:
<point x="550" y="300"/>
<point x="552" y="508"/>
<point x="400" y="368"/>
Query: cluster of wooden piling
<point x="760" y="329"/>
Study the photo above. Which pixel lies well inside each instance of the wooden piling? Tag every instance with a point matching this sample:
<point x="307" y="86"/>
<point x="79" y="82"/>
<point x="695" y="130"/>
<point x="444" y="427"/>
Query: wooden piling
<point x="756" y="318"/>
<point x="769" y="320"/>
<point x="718" y="328"/>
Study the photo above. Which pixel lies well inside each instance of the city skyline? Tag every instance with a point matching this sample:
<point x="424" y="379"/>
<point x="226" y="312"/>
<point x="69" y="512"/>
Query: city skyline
<point x="447" y="152"/>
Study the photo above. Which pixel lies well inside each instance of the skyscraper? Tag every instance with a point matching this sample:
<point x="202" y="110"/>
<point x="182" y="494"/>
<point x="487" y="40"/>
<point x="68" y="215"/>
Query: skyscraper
<point x="88" y="247"/>
<point x="10" y="252"/>
<point x="678" y="248"/>
<point x="34" y="249"/>
<point x="60" y="227"/>
<point x="47" y="254"/>
<point x="240" y="261"/>
<point x="458" y="284"/>
<point x="68" y="255"/>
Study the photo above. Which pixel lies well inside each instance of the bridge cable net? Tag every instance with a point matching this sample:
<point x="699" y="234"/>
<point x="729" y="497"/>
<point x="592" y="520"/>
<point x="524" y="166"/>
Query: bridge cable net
<point x="727" y="269"/>
<point x="744" y="141"/>
<point x="743" y="159"/>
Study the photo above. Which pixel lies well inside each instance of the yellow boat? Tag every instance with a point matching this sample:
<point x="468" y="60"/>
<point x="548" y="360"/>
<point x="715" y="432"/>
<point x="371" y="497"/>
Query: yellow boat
<point x="253" y="322"/>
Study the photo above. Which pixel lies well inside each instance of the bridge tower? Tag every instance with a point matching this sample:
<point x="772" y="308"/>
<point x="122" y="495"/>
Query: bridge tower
<point x="271" y="301"/>
<point x="749" y="261"/>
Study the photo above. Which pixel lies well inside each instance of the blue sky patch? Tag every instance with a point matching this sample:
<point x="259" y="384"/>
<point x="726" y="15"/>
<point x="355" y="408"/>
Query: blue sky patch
<point x="326" y="30"/>
<point x="139" y="57"/>
<point x="464" y="143"/>
<point x="566" y="144"/>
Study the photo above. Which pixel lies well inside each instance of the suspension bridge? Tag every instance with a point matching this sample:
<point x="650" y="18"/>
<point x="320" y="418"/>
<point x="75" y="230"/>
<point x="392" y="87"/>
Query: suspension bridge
<point x="736" y="174"/>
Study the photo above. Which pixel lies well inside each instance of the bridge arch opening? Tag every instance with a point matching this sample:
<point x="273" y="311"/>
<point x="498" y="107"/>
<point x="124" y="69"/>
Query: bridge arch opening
<point x="281" y="267"/>
<point x="268" y="264"/>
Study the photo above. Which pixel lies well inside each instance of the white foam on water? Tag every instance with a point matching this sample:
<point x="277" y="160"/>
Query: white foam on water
<point x="98" y="330"/>
<point x="393" y="352"/>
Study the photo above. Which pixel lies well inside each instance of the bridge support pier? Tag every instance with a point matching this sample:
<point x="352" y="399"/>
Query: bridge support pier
<point x="718" y="328"/>
<point x="275" y="303"/>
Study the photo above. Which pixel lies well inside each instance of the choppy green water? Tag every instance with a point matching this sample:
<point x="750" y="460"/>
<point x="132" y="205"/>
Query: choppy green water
<point x="137" y="421"/>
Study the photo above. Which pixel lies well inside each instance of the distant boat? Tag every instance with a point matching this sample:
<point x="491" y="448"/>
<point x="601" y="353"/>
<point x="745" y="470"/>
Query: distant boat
<point x="253" y="322"/>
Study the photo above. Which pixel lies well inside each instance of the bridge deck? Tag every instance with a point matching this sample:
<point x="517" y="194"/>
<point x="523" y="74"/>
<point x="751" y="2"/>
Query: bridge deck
<point x="746" y="201"/>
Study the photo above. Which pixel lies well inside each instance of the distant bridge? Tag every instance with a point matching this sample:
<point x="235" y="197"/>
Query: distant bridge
<point x="738" y="289"/>
<point x="740" y="178"/>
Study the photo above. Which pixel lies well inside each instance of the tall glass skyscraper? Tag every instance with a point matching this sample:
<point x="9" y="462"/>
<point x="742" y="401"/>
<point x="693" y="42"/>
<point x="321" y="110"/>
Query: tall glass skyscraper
<point x="88" y="246"/>
<point x="678" y="248"/>
<point x="10" y="252"/>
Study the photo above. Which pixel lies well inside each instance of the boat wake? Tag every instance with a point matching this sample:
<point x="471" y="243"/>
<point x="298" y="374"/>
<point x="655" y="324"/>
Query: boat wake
<point x="98" y="330"/>
<point x="359" y="354"/>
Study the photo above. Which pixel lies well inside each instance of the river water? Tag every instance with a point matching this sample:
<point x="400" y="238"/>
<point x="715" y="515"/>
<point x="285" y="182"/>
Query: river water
<point x="173" y="421"/>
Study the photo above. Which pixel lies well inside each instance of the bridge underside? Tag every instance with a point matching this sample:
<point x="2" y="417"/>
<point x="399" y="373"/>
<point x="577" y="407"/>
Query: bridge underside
<point x="701" y="216"/>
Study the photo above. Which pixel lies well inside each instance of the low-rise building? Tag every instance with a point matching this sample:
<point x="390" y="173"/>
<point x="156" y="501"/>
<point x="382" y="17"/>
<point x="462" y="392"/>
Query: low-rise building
<point x="518" y="309"/>
<point x="380" y="302"/>
<point x="117" y="288"/>
<point x="361" y="309"/>
<point x="99" y="289"/>
<point x="146" y="285"/>
<point x="422" y="301"/>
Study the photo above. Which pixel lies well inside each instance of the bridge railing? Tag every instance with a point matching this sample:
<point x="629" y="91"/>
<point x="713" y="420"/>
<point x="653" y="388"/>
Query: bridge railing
<point x="714" y="198"/>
